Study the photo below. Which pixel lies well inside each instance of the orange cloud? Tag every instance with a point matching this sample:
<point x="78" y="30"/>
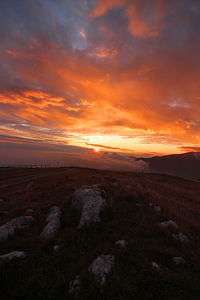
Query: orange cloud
<point x="102" y="52"/>
<point x="104" y="5"/>
<point x="134" y="12"/>
<point x="139" y="28"/>
<point x="120" y="92"/>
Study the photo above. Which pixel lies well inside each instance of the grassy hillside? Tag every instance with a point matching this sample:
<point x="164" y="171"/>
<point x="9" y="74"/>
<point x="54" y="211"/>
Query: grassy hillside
<point x="46" y="274"/>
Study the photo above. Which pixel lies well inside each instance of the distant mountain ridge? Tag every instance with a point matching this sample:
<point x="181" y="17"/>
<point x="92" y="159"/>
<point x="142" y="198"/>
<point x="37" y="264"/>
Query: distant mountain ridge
<point x="182" y="165"/>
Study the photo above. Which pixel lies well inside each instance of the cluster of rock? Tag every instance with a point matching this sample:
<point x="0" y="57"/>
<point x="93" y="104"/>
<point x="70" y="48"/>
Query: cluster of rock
<point x="181" y="237"/>
<point x="89" y="201"/>
<point x="178" y="261"/>
<point x="10" y="228"/>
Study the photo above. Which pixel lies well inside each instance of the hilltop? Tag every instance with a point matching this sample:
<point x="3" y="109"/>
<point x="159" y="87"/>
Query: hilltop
<point x="183" y="165"/>
<point x="136" y="204"/>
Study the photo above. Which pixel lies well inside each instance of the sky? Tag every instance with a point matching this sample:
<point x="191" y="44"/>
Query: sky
<point x="88" y="79"/>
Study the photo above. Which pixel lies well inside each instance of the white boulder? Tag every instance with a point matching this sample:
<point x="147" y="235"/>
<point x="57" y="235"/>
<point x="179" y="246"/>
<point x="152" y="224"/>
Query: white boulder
<point x="89" y="200"/>
<point x="53" y="224"/>
<point x="101" y="266"/>
<point x="12" y="256"/>
<point x="10" y="228"/>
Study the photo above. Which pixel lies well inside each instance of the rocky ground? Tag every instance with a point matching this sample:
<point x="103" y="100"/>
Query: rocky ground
<point x="88" y="234"/>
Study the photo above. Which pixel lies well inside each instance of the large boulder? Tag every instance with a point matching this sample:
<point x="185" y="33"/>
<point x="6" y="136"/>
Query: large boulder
<point x="101" y="266"/>
<point x="12" y="256"/>
<point x="10" y="228"/>
<point x="52" y="224"/>
<point x="89" y="200"/>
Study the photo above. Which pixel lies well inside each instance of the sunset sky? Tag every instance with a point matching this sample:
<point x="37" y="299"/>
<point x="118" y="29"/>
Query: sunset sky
<point x="84" y="77"/>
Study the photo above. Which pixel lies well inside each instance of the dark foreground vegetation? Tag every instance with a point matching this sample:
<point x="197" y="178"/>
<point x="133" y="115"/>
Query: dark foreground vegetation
<point x="46" y="274"/>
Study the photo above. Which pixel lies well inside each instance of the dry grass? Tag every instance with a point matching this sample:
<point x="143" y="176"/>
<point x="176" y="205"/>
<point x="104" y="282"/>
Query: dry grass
<point x="46" y="275"/>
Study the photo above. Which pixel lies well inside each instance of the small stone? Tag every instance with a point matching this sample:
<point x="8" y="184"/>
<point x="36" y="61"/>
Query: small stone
<point x="101" y="266"/>
<point x="181" y="238"/>
<point x="2" y="200"/>
<point x="155" y="265"/>
<point x="56" y="248"/>
<point x="121" y="244"/>
<point x="167" y="224"/>
<point x="178" y="260"/>
<point x="29" y="185"/>
<point x="74" y="287"/>
<point x="12" y="256"/>
<point x="29" y="211"/>
<point x="157" y="208"/>
<point x="128" y="187"/>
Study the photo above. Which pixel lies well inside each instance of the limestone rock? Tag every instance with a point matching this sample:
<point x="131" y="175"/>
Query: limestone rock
<point x="29" y="185"/>
<point x="155" y="265"/>
<point x="10" y="228"/>
<point x="101" y="266"/>
<point x="167" y="224"/>
<point x="156" y="207"/>
<point x="12" y="256"/>
<point x="121" y="244"/>
<point x="29" y="211"/>
<point x="89" y="200"/>
<point x="56" y="248"/>
<point x="74" y="287"/>
<point x="53" y="224"/>
<point x="178" y="260"/>
<point x="181" y="238"/>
